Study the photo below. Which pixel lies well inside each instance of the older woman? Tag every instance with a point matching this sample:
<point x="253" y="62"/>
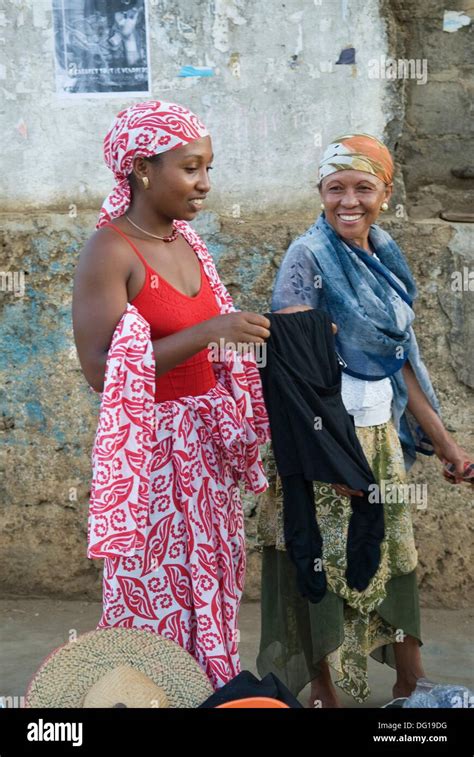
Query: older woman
<point x="352" y="269"/>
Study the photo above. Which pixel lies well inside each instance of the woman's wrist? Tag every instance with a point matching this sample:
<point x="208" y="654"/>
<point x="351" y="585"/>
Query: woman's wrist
<point x="444" y="445"/>
<point x="203" y="330"/>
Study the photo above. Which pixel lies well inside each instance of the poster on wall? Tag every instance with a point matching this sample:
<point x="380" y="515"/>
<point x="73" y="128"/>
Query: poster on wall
<point x="101" y="47"/>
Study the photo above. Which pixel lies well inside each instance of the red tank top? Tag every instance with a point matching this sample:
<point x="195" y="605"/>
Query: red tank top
<point x="168" y="310"/>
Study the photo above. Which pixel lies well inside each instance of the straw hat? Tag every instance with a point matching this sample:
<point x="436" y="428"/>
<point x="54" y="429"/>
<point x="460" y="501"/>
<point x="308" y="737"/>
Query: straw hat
<point x="116" y="667"/>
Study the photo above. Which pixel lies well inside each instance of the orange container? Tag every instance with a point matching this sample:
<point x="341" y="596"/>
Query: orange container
<point x="255" y="702"/>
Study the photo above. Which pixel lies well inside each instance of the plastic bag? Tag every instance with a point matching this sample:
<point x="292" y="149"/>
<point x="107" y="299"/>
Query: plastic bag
<point x="429" y="694"/>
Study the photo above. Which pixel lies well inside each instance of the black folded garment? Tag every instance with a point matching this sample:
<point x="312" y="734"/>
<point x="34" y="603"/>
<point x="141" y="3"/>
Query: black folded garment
<point x="245" y="685"/>
<point x="314" y="439"/>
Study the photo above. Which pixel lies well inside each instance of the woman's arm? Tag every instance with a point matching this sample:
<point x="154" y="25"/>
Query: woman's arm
<point x="298" y="280"/>
<point x="98" y="302"/>
<point x="445" y="447"/>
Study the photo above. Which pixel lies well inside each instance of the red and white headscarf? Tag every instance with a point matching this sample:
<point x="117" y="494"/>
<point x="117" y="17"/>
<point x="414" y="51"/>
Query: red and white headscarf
<point x="143" y="130"/>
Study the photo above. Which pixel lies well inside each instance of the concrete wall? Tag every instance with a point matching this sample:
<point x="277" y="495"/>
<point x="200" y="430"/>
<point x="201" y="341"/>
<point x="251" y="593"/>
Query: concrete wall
<point x="437" y="143"/>
<point x="276" y="88"/>
<point x="264" y="124"/>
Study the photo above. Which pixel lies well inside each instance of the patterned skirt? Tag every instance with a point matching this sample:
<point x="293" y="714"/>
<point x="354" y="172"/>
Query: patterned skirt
<point x="347" y="625"/>
<point x="186" y="581"/>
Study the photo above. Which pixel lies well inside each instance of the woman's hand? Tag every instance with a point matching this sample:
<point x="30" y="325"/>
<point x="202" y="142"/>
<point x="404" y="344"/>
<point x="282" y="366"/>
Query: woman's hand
<point x="449" y="451"/>
<point x="298" y="308"/>
<point x="239" y="327"/>
<point x="343" y="491"/>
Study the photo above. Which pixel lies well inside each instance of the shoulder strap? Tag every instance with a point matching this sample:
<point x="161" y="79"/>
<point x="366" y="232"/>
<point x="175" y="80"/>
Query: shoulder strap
<point x="115" y="228"/>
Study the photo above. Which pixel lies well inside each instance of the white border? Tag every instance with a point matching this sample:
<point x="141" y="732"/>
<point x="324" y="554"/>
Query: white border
<point x="94" y="95"/>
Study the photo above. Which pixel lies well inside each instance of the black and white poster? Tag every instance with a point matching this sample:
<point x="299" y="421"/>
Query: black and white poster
<point x="101" y="47"/>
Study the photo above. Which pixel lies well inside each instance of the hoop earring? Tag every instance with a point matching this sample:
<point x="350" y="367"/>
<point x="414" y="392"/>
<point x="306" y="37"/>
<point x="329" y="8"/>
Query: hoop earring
<point x="384" y="206"/>
<point x="146" y="182"/>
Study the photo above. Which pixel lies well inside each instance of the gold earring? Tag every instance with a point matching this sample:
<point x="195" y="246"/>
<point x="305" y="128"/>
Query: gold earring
<point x="384" y="206"/>
<point x="322" y="206"/>
<point x="146" y="182"/>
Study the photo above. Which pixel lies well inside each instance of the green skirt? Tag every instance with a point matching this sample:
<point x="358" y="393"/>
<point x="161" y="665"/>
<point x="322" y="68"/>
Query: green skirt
<point x="346" y="626"/>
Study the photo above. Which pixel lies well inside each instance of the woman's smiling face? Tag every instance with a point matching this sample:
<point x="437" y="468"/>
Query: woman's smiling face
<point x="352" y="201"/>
<point x="179" y="181"/>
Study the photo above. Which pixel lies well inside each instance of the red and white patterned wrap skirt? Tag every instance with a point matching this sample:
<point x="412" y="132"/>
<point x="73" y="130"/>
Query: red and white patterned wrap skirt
<point x="165" y="510"/>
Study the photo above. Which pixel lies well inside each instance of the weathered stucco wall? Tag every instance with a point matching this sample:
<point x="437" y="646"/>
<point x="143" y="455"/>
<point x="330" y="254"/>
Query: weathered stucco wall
<point x="49" y="414"/>
<point x="263" y="123"/>
<point x="437" y="142"/>
<point x="276" y="89"/>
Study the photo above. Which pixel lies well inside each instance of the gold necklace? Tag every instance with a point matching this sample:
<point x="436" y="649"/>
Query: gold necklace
<point x="171" y="237"/>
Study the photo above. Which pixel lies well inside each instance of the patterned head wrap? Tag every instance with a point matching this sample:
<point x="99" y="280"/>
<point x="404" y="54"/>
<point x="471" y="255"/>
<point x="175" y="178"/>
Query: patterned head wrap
<point x="359" y="152"/>
<point x="144" y="129"/>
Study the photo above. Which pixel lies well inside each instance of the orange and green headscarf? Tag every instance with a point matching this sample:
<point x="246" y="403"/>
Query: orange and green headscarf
<point x="359" y="152"/>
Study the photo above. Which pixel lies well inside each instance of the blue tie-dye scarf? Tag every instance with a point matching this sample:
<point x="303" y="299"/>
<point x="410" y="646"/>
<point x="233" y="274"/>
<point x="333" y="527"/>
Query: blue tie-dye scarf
<point x="357" y="288"/>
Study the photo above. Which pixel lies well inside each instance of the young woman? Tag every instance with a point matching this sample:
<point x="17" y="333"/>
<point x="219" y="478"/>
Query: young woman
<point x="185" y="582"/>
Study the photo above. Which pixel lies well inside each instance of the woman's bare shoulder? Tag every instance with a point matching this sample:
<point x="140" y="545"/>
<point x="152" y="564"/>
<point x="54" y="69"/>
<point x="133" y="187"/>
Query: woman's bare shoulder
<point x="107" y="251"/>
<point x="102" y="241"/>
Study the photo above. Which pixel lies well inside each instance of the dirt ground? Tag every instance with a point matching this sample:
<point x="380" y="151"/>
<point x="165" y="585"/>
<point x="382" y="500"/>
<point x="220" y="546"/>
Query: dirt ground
<point x="31" y="628"/>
